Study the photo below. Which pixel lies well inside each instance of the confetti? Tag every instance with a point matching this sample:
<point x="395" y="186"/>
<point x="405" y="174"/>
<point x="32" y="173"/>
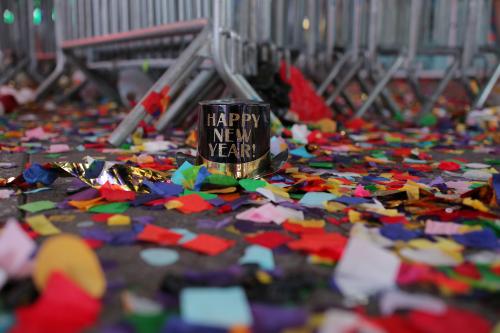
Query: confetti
<point x="38" y="206"/>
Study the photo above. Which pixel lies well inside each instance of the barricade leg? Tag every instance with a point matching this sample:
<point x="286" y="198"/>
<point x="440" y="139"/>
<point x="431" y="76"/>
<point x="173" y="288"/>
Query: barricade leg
<point x="450" y="73"/>
<point x="138" y="113"/>
<point x="483" y="95"/>
<point x="380" y="86"/>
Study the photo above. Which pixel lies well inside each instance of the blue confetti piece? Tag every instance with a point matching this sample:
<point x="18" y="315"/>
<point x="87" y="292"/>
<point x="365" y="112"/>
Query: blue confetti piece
<point x="256" y="254"/>
<point x="496" y="186"/>
<point x="159" y="257"/>
<point x="482" y="239"/>
<point x="371" y="179"/>
<point x="163" y="189"/>
<point x="178" y="177"/>
<point x="186" y="235"/>
<point x="316" y="199"/>
<point x="37" y="174"/>
<point x="301" y="152"/>
<point x="176" y="324"/>
<point x="94" y="170"/>
<point x="352" y="200"/>
<point x="203" y="173"/>
<point x="215" y="307"/>
<point x="398" y="232"/>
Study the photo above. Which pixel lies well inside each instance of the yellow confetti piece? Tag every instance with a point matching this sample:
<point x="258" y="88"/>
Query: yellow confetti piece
<point x="333" y="181"/>
<point x="85" y="204"/>
<point x="441" y="243"/>
<point x="70" y="255"/>
<point x="476" y="204"/>
<point x="378" y="160"/>
<point x="137" y="138"/>
<point x="314" y="259"/>
<point x="264" y="277"/>
<point x="354" y="216"/>
<point x="469" y="228"/>
<point x="232" y="229"/>
<point x="119" y="219"/>
<point x="308" y="223"/>
<point x="277" y="190"/>
<point x="386" y="212"/>
<point x="230" y="189"/>
<point x="173" y="204"/>
<point x="412" y="190"/>
<point x="42" y="225"/>
<point x="62" y="218"/>
<point x="332" y="206"/>
<point x="327" y="125"/>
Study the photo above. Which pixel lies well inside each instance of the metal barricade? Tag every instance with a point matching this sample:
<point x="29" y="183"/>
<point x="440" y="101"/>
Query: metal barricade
<point x="335" y="42"/>
<point x="27" y="34"/>
<point x="406" y="31"/>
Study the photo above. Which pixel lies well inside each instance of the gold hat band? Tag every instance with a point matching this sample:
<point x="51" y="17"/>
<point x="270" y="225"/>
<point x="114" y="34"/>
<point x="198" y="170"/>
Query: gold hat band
<point x="238" y="170"/>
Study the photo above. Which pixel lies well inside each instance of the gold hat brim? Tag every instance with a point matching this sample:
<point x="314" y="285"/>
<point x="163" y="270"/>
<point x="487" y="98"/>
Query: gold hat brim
<point x="266" y="165"/>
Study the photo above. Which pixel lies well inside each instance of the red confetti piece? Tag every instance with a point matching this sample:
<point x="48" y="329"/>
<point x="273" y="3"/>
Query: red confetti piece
<point x="63" y="307"/>
<point x="114" y="193"/>
<point x="449" y="166"/>
<point x="298" y="229"/>
<point x="469" y="270"/>
<point x="101" y="217"/>
<point x="159" y="235"/>
<point x="269" y="239"/>
<point x="453" y="320"/>
<point x="334" y="243"/>
<point x="208" y="244"/>
<point x="193" y="203"/>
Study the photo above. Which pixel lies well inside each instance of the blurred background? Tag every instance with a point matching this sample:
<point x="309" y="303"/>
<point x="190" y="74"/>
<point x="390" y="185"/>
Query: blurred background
<point x="402" y="60"/>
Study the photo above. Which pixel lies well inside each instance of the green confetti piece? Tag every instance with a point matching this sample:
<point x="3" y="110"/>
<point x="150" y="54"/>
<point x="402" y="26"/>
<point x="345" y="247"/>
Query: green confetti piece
<point x="476" y="185"/>
<point x="111" y="208"/>
<point x="296" y="196"/>
<point x="145" y="66"/>
<point x="324" y="165"/>
<point x="492" y="161"/>
<point x="251" y="185"/>
<point x="428" y="120"/>
<point x="206" y="196"/>
<point x="489" y="280"/>
<point x="53" y="155"/>
<point x="398" y="116"/>
<point x="371" y="188"/>
<point x="221" y="180"/>
<point x="147" y="322"/>
<point x="379" y="154"/>
<point x="38" y="206"/>
<point x="392" y="139"/>
<point x="485" y="223"/>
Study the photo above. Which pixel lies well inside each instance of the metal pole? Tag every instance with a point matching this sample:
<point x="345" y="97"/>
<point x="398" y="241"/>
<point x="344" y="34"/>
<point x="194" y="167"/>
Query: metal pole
<point x="345" y="81"/>
<point x="427" y="108"/>
<point x="60" y="57"/>
<point x="132" y="120"/>
<point x="380" y="86"/>
<point x="188" y="94"/>
<point x="334" y="72"/>
<point x="331" y="28"/>
<point x="482" y="97"/>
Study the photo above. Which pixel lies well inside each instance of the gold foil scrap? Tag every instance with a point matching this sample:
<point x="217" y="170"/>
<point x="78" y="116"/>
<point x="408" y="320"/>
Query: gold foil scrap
<point x="129" y="178"/>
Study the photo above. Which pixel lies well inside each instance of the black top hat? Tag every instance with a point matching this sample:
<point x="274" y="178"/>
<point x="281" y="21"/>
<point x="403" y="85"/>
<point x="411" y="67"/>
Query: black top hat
<point x="234" y="138"/>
